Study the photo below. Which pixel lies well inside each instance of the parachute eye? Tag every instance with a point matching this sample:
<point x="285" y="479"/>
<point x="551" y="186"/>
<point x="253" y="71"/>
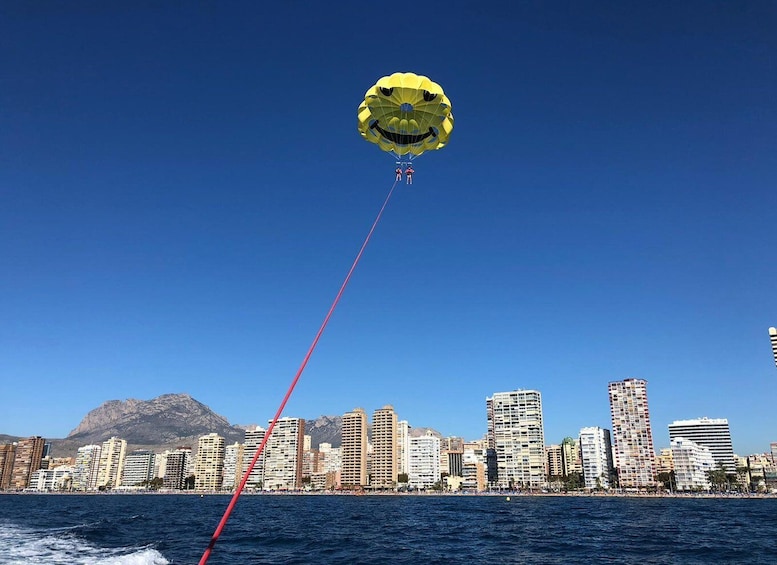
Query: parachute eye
<point x="428" y="96"/>
<point x="386" y="91"/>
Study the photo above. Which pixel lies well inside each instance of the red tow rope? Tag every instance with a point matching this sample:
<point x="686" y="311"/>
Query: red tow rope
<point x="239" y="490"/>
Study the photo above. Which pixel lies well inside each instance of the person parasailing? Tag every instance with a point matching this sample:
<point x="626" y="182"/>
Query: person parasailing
<point x="409" y="174"/>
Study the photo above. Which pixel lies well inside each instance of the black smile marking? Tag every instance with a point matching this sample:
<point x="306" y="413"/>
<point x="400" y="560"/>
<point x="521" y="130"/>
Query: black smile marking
<point x="402" y="138"/>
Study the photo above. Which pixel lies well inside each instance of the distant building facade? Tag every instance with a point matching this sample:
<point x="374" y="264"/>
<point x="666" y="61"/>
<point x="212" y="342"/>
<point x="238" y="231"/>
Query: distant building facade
<point x="634" y="453"/>
<point x="354" y="449"/>
<point x="712" y="433"/>
<point x="209" y="463"/>
<point x="253" y="439"/>
<point x="596" y="457"/>
<point x="384" y="448"/>
<point x="283" y="463"/>
<point x="692" y="463"/>
<point x="27" y="460"/>
<point x="138" y="468"/>
<point x="424" y="461"/>
<point x="516" y="434"/>
<point x="111" y="464"/>
<point x="85" y="468"/>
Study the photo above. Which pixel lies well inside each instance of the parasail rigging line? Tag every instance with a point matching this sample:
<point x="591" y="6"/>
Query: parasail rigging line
<point x="295" y="380"/>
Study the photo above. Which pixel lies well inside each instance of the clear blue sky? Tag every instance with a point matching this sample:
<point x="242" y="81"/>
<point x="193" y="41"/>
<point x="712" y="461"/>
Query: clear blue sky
<point x="183" y="189"/>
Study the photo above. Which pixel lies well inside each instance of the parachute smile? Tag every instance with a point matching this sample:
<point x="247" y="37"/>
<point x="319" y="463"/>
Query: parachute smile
<point x="402" y="138"/>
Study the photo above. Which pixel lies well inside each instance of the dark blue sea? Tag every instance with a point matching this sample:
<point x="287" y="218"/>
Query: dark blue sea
<point x="165" y="529"/>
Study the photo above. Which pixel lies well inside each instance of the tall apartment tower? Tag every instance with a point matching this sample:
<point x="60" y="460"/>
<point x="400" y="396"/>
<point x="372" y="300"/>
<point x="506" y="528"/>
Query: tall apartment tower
<point x="27" y="458"/>
<point x="517" y="438"/>
<point x="424" y="461"/>
<point x="634" y="455"/>
<point x="283" y="462"/>
<point x="712" y="433"/>
<point x="353" y="472"/>
<point x="384" y="448"/>
<point x="403" y="436"/>
<point x="553" y="466"/>
<point x="233" y="463"/>
<point x="85" y="470"/>
<point x="773" y="339"/>
<point x="253" y="439"/>
<point x="7" y="452"/>
<point x="571" y="460"/>
<point x="596" y="456"/>
<point x="209" y="463"/>
<point x="111" y="463"/>
<point x="177" y="468"/>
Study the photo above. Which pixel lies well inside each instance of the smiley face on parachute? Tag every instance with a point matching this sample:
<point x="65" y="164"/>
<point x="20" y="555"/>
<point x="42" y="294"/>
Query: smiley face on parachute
<point x="406" y="113"/>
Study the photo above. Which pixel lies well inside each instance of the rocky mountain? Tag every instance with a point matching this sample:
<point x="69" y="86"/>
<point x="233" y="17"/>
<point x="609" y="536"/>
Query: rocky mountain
<point x="166" y="421"/>
<point x="325" y="429"/>
<point x="173" y="420"/>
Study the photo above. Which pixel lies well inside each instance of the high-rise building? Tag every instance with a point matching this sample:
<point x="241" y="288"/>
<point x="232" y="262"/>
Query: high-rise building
<point x="138" y="468"/>
<point x="283" y="463"/>
<point x="233" y="463"/>
<point x="85" y="468"/>
<point x="354" y="449"/>
<point x="27" y="458"/>
<point x="424" y="461"/>
<point x="516" y="434"/>
<point x="384" y="448"/>
<point x="7" y="452"/>
<point x="634" y="455"/>
<point x="253" y="439"/>
<point x="177" y="468"/>
<point x="692" y="463"/>
<point x="111" y="463"/>
<point x="571" y="460"/>
<point x="209" y="463"/>
<point x="596" y="457"/>
<point x="773" y="339"/>
<point x="403" y="434"/>
<point x="712" y="433"/>
<point x="553" y="466"/>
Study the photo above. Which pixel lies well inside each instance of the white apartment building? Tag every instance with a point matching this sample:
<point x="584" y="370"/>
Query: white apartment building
<point x="423" y="461"/>
<point x="283" y="461"/>
<point x="634" y="455"/>
<point x="713" y="433"/>
<point x="692" y="462"/>
<point x="51" y="480"/>
<point x="85" y="468"/>
<point x="209" y="462"/>
<point x="253" y="439"/>
<point x="138" y="467"/>
<point x="596" y="456"/>
<point x="233" y="463"/>
<point x="403" y="435"/>
<point x="516" y="433"/>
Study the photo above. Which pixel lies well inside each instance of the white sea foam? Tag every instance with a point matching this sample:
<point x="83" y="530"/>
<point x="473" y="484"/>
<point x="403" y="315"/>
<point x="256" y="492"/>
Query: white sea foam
<point x="20" y="546"/>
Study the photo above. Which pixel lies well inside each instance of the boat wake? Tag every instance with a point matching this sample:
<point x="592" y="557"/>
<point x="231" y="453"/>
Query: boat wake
<point x="57" y="546"/>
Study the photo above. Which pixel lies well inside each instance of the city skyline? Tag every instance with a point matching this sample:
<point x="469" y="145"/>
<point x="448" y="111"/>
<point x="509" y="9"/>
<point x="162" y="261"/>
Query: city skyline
<point x="183" y="189"/>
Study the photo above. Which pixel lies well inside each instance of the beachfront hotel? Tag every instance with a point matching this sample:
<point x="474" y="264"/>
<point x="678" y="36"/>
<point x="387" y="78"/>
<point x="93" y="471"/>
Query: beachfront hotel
<point x="634" y="454"/>
<point x="692" y="463"/>
<point x="384" y="448"/>
<point x="712" y="433"/>
<point x="423" y="461"/>
<point x="354" y="449"/>
<point x="516" y="434"/>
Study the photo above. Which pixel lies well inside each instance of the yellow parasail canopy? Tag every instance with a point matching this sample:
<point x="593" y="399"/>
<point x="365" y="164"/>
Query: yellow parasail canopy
<point x="406" y="114"/>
